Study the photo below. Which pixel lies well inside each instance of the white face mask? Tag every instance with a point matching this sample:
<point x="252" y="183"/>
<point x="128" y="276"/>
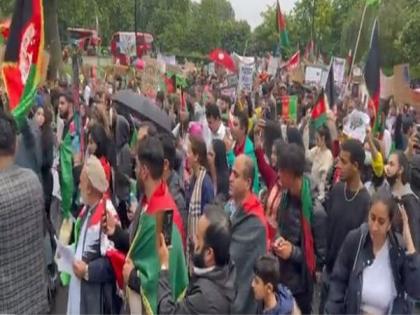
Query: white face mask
<point x="368" y="158"/>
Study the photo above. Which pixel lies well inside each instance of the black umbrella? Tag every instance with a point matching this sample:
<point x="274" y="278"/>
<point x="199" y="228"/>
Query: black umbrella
<point x="142" y="108"/>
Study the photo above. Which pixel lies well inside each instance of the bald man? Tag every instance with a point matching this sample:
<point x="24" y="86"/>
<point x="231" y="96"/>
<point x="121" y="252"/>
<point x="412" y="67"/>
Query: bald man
<point x="249" y="231"/>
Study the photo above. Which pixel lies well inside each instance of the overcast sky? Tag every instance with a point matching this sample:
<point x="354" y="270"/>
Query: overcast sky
<point x="250" y="10"/>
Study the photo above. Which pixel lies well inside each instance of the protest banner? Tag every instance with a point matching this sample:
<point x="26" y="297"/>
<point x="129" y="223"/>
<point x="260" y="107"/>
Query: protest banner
<point x="355" y="126"/>
<point x="339" y="66"/>
<point x="166" y="59"/>
<point x="246" y="72"/>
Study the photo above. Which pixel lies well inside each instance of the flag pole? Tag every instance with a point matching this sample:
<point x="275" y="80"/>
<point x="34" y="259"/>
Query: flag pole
<point x="358" y="37"/>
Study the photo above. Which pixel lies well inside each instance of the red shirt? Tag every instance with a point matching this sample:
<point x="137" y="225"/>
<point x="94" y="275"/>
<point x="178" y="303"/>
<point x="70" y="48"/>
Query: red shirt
<point x="239" y="148"/>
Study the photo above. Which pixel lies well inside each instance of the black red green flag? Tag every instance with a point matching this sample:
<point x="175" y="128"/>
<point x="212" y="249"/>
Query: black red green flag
<point x="319" y="111"/>
<point x="281" y="27"/>
<point x="372" y="76"/>
<point x="22" y="63"/>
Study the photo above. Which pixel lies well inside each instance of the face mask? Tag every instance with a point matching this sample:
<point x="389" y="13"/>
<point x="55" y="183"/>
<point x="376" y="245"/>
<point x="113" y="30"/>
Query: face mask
<point x="392" y="179"/>
<point x="198" y="259"/>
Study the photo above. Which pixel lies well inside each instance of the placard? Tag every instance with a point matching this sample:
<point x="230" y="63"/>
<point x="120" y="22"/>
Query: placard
<point x="355" y="125"/>
<point x="339" y="66"/>
<point x="246" y="72"/>
<point x="150" y="77"/>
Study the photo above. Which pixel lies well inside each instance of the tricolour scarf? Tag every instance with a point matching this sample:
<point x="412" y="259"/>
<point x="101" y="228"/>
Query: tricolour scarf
<point x="306" y="222"/>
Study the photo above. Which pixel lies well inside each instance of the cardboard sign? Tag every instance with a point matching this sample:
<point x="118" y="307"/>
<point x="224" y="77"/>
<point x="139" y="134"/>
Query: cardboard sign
<point x="150" y="77"/>
<point x="355" y="125"/>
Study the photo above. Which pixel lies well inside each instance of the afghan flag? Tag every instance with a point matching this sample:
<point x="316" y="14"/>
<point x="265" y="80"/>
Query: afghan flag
<point x="373" y="78"/>
<point x="319" y="112"/>
<point x="289" y="107"/>
<point x="281" y="27"/>
<point x="144" y="250"/>
<point x="22" y="65"/>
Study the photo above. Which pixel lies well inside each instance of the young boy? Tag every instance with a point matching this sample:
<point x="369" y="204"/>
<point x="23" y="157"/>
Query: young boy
<point x="275" y="298"/>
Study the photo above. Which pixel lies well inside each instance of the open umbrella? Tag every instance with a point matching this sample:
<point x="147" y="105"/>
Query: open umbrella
<point x="222" y="58"/>
<point x="142" y="108"/>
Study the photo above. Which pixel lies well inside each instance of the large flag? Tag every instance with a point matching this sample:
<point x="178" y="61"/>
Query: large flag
<point x="373" y="77"/>
<point x="22" y="65"/>
<point x="281" y="27"/>
<point x="319" y="111"/>
<point x="289" y="107"/>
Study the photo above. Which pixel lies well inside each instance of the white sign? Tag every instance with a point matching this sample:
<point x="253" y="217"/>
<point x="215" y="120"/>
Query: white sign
<point x="355" y="125"/>
<point x="339" y="65"/>
<point x="246" y="72"/>
<point x="313" y="75"/>
<point x="273" y="65"/>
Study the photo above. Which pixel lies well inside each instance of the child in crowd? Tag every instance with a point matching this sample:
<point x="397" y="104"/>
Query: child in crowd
<point x="274" y="298"/>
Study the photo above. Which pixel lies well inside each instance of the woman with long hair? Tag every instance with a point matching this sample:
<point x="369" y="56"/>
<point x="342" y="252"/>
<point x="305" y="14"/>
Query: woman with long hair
<point x="376" y="270"/>
<point x="219" y="169"/>
<point x="99" y="145"/>
<point x="200" y="191"/>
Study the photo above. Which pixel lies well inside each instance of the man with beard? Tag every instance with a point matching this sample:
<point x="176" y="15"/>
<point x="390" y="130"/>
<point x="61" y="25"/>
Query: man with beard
<point x="141" y="268"/>
<point x="212" y="288"/>
<point x="69" y="162"/>
<point x="347" y="206"/>
<point x="397" y="173"/>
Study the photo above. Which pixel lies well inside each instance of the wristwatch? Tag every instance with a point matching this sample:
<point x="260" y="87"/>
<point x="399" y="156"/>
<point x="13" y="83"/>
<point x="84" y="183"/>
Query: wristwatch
<point x="86" y="275"/>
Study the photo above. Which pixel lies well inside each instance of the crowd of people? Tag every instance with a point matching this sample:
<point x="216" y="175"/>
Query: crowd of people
<point x="268" y="212"/>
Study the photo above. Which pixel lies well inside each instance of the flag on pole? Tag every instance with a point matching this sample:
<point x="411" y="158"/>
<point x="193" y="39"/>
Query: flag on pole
<point x="319" y="111"/>
<point x="22" y="65"/>
<point x="372" y="77"/>
<point x="289" y="107"/>
<point x="281" y="27"/>
<point x="294" y="62"/>
<point x="330" y="86"/>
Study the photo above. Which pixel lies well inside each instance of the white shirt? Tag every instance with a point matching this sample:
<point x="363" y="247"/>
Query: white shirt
<point x="378" y="286"/>
<point x="86" y="94"/>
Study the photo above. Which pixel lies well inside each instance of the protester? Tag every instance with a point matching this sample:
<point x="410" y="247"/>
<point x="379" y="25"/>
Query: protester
<point x="242" y="145"/>
<point x="249" y="231"/>
<point x="200" y="191"/>
<point x="214" y="122"/>
<point x="92" y="289"/>
<point x="398" y="176"/>
<point x="22" y="260"/>
<point x="295" y="246"/>
<point x="173" y="180"/>
<point x="322" y="159"/>
<point x="99" y="146"/>
<point x="376" y="271"/>
<point x="273" y="297"/>
<point x="219" y="169"/>
<point x="212" y="287"/>
<point x="141" y="268"/>
<point x="70" y="155"/>
<point x="347" y="207"/>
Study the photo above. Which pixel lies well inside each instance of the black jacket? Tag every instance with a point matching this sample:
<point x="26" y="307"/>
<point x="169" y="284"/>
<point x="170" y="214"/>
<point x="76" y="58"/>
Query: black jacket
<point x="346" y="279"/>
<point x="293" y="272"/>
<point x="210" y="293"/>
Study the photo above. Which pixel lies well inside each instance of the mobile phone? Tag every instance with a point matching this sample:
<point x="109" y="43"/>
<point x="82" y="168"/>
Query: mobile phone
<point x="168" y="216"/>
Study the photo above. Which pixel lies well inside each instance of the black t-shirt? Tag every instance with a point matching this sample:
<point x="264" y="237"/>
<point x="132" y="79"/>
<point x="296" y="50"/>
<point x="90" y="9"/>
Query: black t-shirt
<point x="343" y="216"/>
